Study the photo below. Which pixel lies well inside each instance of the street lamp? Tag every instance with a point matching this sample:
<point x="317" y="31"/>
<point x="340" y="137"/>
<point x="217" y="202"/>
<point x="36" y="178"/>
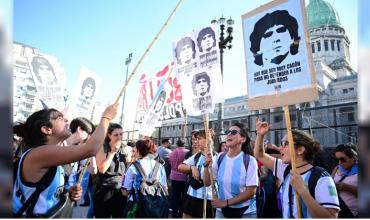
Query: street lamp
<point x="223" y="44"/>
<point x="127" y="63"/>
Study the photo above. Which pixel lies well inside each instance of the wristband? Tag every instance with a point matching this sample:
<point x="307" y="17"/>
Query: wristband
<point x="106" y="118"/>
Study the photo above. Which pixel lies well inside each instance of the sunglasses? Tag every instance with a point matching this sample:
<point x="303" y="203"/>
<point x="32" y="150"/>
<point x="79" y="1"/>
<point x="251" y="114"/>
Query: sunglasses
<point x="341" y="159"/>
<point x="232" y="132"/>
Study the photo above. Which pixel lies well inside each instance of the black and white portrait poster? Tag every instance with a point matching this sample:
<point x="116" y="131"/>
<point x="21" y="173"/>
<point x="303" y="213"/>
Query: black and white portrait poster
<point x="278" y="59"/>
<point x="83" y="97"/>
<point x="197" y="62"/>
<point x="49" y="79"/>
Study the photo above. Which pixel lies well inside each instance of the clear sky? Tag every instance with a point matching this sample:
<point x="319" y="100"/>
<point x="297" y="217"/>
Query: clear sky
<point x="101" y="34"/>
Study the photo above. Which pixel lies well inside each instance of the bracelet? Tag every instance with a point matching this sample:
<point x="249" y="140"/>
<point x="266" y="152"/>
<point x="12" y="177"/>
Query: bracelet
<point x="106" y="118"/>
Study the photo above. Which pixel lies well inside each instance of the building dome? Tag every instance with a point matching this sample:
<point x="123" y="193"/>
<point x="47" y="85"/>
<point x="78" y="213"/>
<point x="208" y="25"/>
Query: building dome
<point x="321" y="13"/>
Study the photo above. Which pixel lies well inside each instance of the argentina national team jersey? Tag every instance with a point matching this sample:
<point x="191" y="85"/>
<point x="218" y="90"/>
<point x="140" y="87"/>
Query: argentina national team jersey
<point x="325" y="191"/>
<point x="233" y="179"/>
<point x="48" y="198"/>
<point x="132" y="179"/>
<point x="198" y="193"/>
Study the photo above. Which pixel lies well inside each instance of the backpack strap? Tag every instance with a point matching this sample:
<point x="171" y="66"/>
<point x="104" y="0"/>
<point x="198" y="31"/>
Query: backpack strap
<point x="141" y="170"/>
<point x="196" y="158"/>
<point x="29" y="205"/>
<point x="245" y="160"/>
<point x="155" y="171"/>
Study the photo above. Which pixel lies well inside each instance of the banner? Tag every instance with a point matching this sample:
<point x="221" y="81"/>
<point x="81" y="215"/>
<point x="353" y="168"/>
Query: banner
<point x="83" y="98"/>
<point x="278" y="57"/>
<point x="152" y="118"/>
<point x="148" y="87"/>
<point x="49" y="79"/>
<point x="197" y="62"/>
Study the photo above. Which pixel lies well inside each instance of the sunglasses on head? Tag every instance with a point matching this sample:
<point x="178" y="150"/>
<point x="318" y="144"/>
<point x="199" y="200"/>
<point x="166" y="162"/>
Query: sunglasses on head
<point x="341" y="159"/>
<point x="232" y="132"/>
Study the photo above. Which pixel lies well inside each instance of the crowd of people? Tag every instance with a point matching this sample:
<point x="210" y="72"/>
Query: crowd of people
<point x="57" y="162"/>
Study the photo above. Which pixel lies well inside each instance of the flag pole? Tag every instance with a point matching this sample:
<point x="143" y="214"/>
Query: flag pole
<point x="147" y="50"/>
<point x="292" y="155"/>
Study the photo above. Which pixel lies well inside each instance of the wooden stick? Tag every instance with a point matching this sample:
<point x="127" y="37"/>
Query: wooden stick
<point x="292" y="155"/>
<point x="184" y="127"/>
<point x="210" y="150"/>
<point x="147" y="50"/>
<point x="84" y="168"/>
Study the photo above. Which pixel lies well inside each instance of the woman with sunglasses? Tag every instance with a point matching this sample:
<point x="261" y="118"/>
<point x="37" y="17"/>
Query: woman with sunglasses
<point x="108" y="199"/>
<point x="345" y="177"/>
<point x="40" y="168"/>
<point x="237" y="181"/>
<point x="325" y="203"/>
<point x="193" y="203"/>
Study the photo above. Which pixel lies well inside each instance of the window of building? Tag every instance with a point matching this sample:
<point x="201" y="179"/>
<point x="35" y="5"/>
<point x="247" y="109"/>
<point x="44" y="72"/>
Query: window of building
<point x="332" y="45"/>
<point x="326" y="45"/>
<point x="347" y="112"/>
<point x="330" y="29"/>
<point x="293" y="117"/>
<point x="313" y="47"/>
<point x="277" y="138"/>
<point x="352" y="137"/>
<point x="324" y="29"/>
<point x="351" y="89"/>
<point x="318" y="46"/>
<point x="345" y="91"/>
<point x="338" y="45"/>
<point x="278" y="118"/>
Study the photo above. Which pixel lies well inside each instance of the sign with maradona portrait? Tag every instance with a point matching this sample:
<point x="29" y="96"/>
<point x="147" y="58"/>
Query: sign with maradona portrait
<point x="277" y="56"/>
<point x="197" y="62"/>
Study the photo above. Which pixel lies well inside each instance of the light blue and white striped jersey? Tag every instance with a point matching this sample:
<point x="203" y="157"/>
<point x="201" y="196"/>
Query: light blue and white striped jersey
<point x="198" y="193"/>
<point x="48" y="198"/>
<point x="233" y="179"/>
<point x="132" y="178"/>
<point x="325" y="191"/>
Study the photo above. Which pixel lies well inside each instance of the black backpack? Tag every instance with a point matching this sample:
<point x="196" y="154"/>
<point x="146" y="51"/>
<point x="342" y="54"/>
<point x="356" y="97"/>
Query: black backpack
<point x="316" y="173"/>
<point x="151" y="196"/>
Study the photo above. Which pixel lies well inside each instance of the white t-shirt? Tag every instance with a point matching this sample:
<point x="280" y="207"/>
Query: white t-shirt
<point x="325" y="191"/>
<point x="233" y="179"/>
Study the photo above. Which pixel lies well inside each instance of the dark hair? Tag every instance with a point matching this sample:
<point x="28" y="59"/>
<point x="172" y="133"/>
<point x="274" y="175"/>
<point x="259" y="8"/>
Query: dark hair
<point x="202" y="75"/>
<point x="37" y="61"/>
<point x="180" y="143"/>
<point x="202" y="133"/>
<point x="202" y="33"/>
<point x="349" y="149"/>
<point x="131" y="144"/>
<point x="111" y="128"/>
<point x="83" y="123"/>
<point x="278" y="17"/>
<point x="30" y="131"/>
<point x="311" y="146"/>
<point x="180" y="44"/>
<point x="246" y="148"/>
<point x="88" y="82"/>
<point x="165" y="140"/>
<point x="145" y="147"/>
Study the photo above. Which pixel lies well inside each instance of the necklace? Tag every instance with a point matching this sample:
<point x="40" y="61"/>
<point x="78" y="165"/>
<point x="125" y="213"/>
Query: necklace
<point x="302" y="165"/>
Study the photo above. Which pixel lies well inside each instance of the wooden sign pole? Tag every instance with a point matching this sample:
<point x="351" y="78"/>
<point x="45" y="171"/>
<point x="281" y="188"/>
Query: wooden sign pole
<point x="292" y="154"/>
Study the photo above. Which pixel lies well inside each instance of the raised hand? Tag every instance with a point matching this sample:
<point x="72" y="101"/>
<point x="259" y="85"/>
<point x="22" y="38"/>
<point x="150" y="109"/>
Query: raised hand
<point x="262" y="127"/>
<point x="111" y="111"/>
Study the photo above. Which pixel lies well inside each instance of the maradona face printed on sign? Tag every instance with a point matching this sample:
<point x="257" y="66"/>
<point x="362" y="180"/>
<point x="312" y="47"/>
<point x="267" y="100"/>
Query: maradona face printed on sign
<point x="43" y="70"/>
<point x="185" y="51"/>
<point x="206" y="40"/>
<point x="201" y="84"/>
<point x="274" y="37"/>
<point x="88" y="88"/>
